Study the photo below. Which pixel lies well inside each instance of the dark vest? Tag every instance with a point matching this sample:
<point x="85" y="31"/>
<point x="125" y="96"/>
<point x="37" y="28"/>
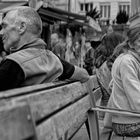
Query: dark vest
<point x="39" y="65"/>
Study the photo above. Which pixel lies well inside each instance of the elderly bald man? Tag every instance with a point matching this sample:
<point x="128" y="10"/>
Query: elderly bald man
<point x="28" y="62"/>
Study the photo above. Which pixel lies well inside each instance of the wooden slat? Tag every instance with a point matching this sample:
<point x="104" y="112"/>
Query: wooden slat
<point x="120" y="112"/>
<point x="92" y="115"/>
<point x="31" y="89"/>
<point x="36" y="88"/>
<point x="46" y="102"/>
<point x="24" y="90"/>
<point x="55" y="127"/>
<point x="77" y="125"/>
<point x="16" y="123"/>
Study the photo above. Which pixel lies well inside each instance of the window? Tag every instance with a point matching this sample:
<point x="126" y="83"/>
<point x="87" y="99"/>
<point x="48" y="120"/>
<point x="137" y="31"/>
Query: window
<point x="105" y="10"/>
<point x="86" y="6"/>
<point x="91" y="6"/>
<point x="82" y="7"/>
<point x="124" y="7"/>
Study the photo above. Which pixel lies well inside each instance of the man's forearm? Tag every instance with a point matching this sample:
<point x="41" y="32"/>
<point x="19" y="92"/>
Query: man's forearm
<point x="80" y="74"/>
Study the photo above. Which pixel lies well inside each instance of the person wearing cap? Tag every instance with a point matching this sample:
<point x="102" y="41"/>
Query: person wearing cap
<point x="28" y="62"/>
<point x="126" y="87"/>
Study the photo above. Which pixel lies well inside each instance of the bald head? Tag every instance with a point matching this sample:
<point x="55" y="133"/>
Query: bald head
<point x="19" y="26"/>
<point x="29" y="16"/>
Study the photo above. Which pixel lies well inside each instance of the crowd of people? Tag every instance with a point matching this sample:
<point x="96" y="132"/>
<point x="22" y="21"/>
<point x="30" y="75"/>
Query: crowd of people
<point x="114" y="59"/>
<point x="77" y="49"/>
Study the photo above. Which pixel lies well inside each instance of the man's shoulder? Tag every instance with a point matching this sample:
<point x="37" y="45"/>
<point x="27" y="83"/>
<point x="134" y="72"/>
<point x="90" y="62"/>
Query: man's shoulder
<point x="25" y="55"/>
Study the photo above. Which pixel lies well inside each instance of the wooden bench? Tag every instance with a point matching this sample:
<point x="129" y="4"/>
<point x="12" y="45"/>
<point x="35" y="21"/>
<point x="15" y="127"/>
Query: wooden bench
<point x="54" y="111"/>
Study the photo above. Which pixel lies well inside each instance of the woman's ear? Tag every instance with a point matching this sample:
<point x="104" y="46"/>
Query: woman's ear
<point x="22" y="27"/>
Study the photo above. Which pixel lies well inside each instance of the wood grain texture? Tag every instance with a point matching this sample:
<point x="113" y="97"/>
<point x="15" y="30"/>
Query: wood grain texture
<point x="16" y="123"/>
<point x="55" y="127"/>
<point x="58" y="110"/>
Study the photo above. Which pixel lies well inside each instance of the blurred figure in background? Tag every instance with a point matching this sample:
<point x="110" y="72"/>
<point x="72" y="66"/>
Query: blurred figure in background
<point x="102" y="53"/>
<point x="83" y="49"/>
<point x="69" y="53"/>
<point x="58" y="45"/>
<point x="89" y="58"/>
<point x="76" y="49"/>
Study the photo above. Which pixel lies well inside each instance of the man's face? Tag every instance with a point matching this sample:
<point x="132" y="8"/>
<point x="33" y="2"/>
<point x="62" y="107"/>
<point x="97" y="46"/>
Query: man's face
<point x="9" y="32"/>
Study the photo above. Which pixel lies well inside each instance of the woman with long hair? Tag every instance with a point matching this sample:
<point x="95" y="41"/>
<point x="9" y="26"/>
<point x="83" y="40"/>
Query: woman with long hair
<point x="126" y="87"/>
<point x="103" y="73"/>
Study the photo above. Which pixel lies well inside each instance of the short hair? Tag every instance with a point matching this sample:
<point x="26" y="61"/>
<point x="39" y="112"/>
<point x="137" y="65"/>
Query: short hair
<point x="31" y="17"/>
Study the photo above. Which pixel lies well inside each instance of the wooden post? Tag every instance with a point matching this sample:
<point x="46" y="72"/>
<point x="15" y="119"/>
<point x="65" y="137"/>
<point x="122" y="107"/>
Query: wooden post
<point x="92" y="115"/>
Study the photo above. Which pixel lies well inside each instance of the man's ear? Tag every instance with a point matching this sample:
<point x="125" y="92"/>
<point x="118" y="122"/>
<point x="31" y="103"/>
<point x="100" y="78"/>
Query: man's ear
<point x="22" y="27"/>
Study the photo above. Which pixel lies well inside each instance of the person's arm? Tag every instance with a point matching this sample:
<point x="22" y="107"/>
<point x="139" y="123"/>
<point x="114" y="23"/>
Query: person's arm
<point x="131" y="82"/>
<point x="73" y="72"/>
<point x="11" y="75"/>
<point x="80" y="74"/>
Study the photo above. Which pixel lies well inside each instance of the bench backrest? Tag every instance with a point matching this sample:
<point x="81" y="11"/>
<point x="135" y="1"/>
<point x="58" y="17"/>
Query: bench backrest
<point x="48" y="111"/>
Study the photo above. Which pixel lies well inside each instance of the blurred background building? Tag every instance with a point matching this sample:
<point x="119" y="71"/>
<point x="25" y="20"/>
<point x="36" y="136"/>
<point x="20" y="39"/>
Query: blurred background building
<point x="108" y="8"/>
<point x="135" y="12"/>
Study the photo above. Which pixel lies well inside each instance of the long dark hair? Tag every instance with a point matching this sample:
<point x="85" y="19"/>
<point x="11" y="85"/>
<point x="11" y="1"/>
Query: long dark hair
<point x="106" y="48"/>
<point x="121" y="48"/>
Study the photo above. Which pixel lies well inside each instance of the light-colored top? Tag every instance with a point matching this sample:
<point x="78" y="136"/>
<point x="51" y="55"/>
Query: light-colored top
<point x="126" y="87"/>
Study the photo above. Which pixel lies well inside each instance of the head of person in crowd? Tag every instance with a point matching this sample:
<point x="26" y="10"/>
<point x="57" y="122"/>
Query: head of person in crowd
<point x="121" y="48"/>
<point x="54" y="39"/>
<point x="131" y="43"/>
<point x="19" y="26"/>
<point x="107" y="46"/>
